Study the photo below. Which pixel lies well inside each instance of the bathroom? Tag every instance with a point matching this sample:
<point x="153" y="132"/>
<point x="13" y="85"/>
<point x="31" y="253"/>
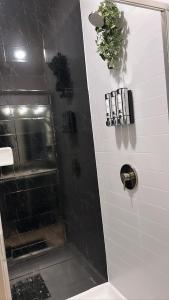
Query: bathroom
<point x="84" y="199"/>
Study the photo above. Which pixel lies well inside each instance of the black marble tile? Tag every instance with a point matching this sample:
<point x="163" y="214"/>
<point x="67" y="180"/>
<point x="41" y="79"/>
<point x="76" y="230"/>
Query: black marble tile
<point x="15" y="31"/>
<point x="30" y="10"/>
<point x="8" y="187"/>
<point x="31" y="119"/>
<point x="25" y="82"/>
<point x="8" y="171"/>
<point x="24" y="99"/>
<point x="37" y="181"/>
<point x="7" y="127"/>
<point x="32" y="208"/>
<point x="17" y="206"/>
<point x="8" y="141"/>
<point x="23" y="60"/>
<point x="2" y="55"/>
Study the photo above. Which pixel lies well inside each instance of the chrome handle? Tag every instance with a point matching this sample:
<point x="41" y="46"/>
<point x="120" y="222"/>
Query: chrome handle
<point x="128" y="177"/>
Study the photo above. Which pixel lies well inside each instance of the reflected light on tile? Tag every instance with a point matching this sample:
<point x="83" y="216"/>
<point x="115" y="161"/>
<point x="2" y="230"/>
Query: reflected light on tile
<point x="23" y="110"/>
<point x="39" y="110"/>
<point x="20" y="55"/>
<point x="44" y="54"/>
<point x="6" y="111"/>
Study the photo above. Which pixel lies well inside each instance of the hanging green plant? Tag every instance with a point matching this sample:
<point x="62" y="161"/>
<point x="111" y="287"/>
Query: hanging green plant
<point x="110" y="36"/>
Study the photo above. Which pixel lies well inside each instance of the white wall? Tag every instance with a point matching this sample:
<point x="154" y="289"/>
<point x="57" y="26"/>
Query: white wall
<point x="136" y="225"/>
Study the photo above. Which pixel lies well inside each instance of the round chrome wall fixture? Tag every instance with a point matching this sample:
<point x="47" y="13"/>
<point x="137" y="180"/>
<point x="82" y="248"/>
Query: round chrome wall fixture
<point x="96" y="19"/>
<point x="128" y="177"/>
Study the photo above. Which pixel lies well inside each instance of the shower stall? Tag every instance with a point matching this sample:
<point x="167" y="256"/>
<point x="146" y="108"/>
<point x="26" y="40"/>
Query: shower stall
<point x="52" y="245"/>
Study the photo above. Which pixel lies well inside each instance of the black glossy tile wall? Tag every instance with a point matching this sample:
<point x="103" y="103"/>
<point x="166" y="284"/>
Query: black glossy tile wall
<point x="76" y="150"/>
<point x="31" y="35"/>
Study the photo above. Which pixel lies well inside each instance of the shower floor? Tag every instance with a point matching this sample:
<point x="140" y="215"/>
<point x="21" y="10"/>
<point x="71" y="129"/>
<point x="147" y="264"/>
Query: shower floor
<point x="63" y="270"/>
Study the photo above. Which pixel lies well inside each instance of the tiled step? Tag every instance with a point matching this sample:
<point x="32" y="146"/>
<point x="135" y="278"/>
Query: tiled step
<point x="102" y="292"/>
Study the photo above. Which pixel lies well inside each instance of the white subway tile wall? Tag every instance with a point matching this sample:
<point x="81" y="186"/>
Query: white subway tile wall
<point x="136" y="224"/>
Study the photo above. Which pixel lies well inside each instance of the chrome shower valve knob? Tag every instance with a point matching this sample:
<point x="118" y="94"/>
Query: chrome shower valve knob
<point x="128" y="177"/>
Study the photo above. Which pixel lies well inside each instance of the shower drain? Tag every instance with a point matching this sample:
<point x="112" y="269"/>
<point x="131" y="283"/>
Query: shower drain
<point x="33" y="288"/>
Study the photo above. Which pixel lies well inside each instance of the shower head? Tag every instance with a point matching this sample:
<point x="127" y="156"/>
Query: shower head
<point x="96" y="19"/>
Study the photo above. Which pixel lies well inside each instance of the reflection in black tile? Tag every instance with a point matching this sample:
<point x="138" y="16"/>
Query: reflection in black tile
<point x="29" y="132"/>
<point x="33" y="126"/>
<point x="21" y="60"/>
<point x="33" y="208"/>
<point x="24" y="99"/>
<point x="25" y="82"/>
<point x="30" y="10"/>
<point x="29" y="248"/>
<point x="17" y="206"/>
<point x="31" y="201"/>
<point x="8" y="186"/>
<point x="33" y="146"/>
<point x="2" y="55"/>
<point x="16" y="54"/>
<point x="8" y="141"/>
<point x="15" y="31"/>
<point x="8" y="172"/>
<point x="7" y="127"/>
<point x="6" y="112"/>
<point x="37" y="181"/>
<point x="31" y="112"/>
